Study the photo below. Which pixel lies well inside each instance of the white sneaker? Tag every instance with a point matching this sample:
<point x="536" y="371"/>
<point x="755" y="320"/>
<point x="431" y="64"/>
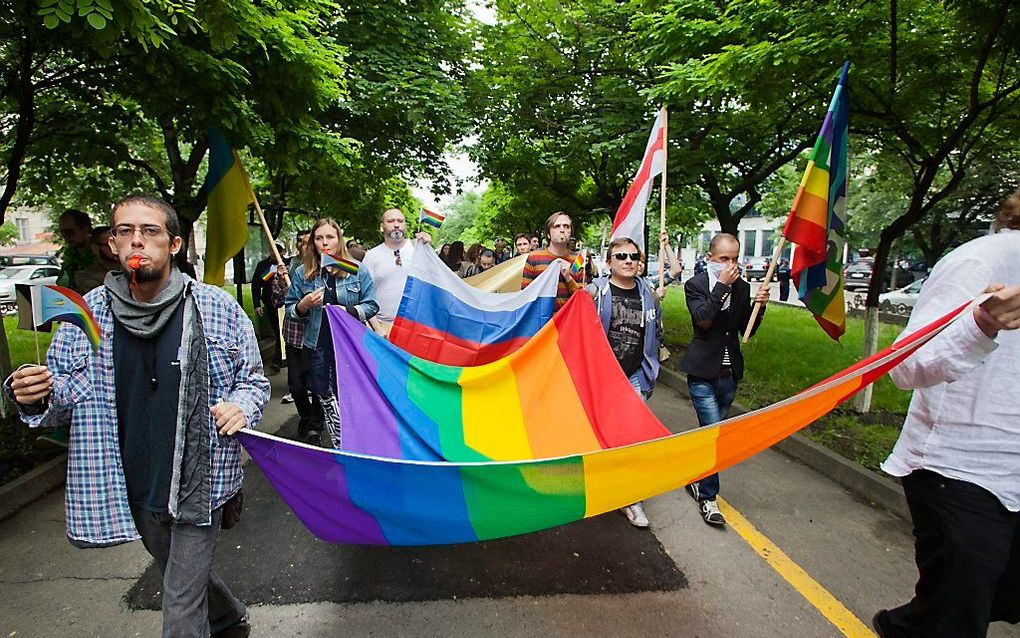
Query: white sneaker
<point x="710" y="512"/>
<point x="636" y="515"/>
<point x="287" y="398"/>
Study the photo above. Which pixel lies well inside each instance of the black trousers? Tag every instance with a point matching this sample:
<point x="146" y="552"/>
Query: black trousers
<point x="299" y="363"/>
<point x="967" y="549"/>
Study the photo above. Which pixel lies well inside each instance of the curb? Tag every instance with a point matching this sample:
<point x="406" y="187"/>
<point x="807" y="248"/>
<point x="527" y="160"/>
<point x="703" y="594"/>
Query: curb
<point x="862" y="482"/>
<point x="32" y="486"/>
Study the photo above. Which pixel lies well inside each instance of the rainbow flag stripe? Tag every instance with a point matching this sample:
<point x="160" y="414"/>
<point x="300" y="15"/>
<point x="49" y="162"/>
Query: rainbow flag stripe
<point x="344" y="497"/>
<point x="817" y="221"/>
<point x="443" y="319"/>
<point x="396" y="405"/>
<point x="349" y="266"/>
<point x="269" y="275"/>
<point x="431" y="218"/>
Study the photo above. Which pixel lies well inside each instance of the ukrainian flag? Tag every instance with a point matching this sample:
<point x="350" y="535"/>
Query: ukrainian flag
<point x="226" y="219"/>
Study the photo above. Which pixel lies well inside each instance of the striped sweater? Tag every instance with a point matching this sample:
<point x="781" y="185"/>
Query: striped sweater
<point x="536" y="264"/>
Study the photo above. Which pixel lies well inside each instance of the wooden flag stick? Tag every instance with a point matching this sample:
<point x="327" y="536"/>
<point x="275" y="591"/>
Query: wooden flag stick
<point x="38" y="357"/>
<point x="768" y="281"/>
<point x="662" y="201"/>
<point x="281" y="268"/>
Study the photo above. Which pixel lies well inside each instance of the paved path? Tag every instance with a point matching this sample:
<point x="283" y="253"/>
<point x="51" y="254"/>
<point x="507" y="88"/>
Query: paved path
<point x="685" y="578"/>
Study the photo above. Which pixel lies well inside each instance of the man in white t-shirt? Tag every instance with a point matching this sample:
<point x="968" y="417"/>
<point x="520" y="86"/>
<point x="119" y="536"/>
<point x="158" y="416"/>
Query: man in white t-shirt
<point x="388" y="263"/>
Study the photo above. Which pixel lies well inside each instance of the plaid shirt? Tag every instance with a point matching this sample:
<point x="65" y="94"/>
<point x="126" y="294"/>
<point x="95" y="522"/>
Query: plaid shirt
<point x="96" y="497"/>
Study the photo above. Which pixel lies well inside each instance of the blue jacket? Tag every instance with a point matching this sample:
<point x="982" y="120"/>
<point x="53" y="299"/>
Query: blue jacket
<point x="651" y="319"/>
<point x="357" y="291"/>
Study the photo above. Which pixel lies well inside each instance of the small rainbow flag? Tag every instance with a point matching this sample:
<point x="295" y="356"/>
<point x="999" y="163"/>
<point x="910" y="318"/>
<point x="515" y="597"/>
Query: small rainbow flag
<point x="349" y="266"/>
<point x="269" y="275"/>
<point x="578" y="265"/>
<point x="39" y="305"/>
<point x="431" y="218"/>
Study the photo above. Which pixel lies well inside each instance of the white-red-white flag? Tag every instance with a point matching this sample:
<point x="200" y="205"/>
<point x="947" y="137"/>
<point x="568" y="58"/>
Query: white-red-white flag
<point x="630" y="217"/>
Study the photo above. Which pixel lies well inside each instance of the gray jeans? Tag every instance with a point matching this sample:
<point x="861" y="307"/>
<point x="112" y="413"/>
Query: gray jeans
<point x="195" y="600"/>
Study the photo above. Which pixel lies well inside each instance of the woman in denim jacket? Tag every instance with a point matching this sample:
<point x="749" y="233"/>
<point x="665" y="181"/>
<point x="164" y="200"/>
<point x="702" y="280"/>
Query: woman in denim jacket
<point x="311" y="288"/>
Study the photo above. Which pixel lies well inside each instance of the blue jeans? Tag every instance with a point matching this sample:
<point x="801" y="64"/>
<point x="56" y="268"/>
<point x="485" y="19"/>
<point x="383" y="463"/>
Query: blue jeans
<point x="712" y="399"/>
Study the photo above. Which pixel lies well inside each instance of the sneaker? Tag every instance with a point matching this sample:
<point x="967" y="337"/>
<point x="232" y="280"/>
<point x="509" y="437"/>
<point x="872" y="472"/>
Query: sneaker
<point x="710" y="512"/>
<point x="692" y="489"/>
<point x="636" y="515"/>
<point x="287" y="398"/>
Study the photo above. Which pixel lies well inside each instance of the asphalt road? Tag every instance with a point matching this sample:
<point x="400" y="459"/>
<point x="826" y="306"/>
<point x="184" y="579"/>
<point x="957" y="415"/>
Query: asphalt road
<point x="681" y="578"/>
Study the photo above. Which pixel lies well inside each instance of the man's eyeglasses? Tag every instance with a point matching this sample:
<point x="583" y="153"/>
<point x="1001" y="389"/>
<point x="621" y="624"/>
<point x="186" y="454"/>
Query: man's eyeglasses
<point x="626" y="256"/>
<point x="148" y="231"/>
<point x="396" y="257"/>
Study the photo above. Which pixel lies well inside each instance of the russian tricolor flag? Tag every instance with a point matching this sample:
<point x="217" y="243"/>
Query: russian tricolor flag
<point x="447" y="321"/>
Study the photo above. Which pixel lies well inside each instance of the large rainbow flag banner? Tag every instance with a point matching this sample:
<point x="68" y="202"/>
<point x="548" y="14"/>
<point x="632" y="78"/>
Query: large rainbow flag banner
<point x="817" y="221"/>
<point x="345" y="497"/>
<point x="561" y="393"/>
<point x="441" y="318"/>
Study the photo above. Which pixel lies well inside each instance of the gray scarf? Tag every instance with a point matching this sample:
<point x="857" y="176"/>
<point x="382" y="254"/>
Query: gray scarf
<point x="144" y="319"/>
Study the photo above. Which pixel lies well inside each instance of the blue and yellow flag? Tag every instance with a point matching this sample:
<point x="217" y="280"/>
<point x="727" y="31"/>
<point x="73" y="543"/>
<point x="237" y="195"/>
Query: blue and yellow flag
<point x="226" y="219"/>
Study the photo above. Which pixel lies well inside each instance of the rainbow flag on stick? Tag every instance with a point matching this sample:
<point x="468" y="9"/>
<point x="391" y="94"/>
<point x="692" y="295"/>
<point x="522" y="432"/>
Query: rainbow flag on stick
<point x="349" y="266"/>
<point x="269" y="275"/>
<point x="431" y="218"/>
<point x="226" y="217"/>
<point x="39" y="305"/>
<point x="817" y="222"/>
<point x="578" y="264"/>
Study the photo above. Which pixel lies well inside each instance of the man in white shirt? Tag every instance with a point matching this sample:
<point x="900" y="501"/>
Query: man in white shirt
<point x="388" y="263"/>
<point x="959" y="450"/>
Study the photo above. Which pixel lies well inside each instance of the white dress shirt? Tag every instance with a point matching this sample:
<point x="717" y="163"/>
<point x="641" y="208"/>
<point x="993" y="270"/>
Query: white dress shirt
<point x="964" y="417"/>
<point x="389" y="278"/>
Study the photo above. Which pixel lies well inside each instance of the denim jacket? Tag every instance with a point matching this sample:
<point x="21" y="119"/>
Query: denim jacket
<point x="357" y="291"/>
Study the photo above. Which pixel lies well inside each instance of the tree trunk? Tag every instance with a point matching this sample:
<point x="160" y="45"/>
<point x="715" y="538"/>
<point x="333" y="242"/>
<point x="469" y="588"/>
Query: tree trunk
<point x="862" y="402"/>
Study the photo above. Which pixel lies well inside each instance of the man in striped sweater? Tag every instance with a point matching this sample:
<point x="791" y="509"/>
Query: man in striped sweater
<point x="559" y="228"/>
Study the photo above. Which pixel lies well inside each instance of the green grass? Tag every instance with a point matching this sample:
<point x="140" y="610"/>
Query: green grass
<point x="790" y="353"/>
<point x="22" y="342"/>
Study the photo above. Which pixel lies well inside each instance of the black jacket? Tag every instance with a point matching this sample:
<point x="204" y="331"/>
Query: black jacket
<point x="705" y="353"/>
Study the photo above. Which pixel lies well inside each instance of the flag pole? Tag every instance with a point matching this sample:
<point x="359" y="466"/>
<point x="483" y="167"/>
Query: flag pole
<point x="281" y="268"/>
<point x="662" y="200"/>
<point x="38" y="357"/>
<point x="768" y="281"/>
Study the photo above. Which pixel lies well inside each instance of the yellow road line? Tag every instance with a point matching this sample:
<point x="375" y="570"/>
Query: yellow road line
<point x="833" y="610"/>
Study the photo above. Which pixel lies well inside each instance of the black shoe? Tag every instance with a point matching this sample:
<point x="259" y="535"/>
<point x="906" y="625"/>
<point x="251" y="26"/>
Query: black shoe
<point x="884" y="627"/>
<point x="240" y="630"/>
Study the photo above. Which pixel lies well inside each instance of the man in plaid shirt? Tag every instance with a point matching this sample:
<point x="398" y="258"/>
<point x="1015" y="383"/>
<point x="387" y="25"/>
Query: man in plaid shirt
<point x="152" y="415"/>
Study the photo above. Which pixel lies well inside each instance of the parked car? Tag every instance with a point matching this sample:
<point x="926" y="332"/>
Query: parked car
<point x="901" y="301"/>
<point x="755" y="268"/>
<point x="857" y="275"/>
<point x="23" y="275"/>
<point x="27" y="260"/>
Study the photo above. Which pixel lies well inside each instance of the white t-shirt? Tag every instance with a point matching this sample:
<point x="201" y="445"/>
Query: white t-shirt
<point x="388" y="277"/>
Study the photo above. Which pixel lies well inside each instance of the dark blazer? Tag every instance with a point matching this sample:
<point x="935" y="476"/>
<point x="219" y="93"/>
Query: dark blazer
<point x="705" y="352"/>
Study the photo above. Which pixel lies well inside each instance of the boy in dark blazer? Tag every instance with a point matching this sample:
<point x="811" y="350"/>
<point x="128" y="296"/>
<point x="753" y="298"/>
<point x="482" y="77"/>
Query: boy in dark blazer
<point x="720" y="305"/>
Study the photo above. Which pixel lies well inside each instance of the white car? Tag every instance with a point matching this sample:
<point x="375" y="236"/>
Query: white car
<point x="23" y="275"/>
<point x="902" y="300"/>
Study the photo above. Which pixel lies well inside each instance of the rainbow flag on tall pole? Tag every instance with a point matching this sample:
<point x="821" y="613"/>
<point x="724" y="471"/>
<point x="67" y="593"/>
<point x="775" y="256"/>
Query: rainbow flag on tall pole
<point x="817" y="222"/>
<point x="226" y="218"/>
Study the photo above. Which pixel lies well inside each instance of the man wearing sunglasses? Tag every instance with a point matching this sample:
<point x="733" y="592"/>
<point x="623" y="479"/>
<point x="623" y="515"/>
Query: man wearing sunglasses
<point x="388" y="263"/>
<point x="632" y="319"/>
<point x="720" y="305"/>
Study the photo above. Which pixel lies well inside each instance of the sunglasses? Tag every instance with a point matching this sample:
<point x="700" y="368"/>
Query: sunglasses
<point x="626" y="256"/>
<point x="396" y="258"/>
